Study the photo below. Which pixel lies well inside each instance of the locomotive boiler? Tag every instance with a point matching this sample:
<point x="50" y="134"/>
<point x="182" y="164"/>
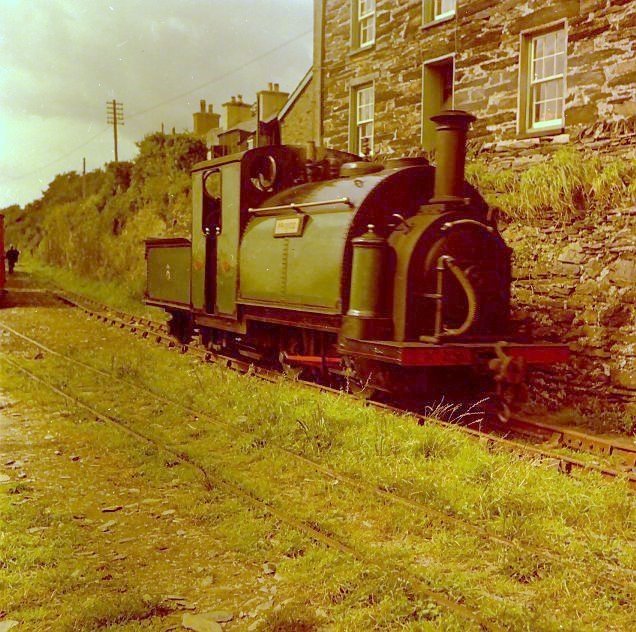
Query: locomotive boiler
<point x="391" y="277"/>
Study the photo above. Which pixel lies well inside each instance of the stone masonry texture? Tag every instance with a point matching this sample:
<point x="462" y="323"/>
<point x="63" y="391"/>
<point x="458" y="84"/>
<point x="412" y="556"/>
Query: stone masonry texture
<point x="297" y="127"/>
<point x="485" y="37"/>
<point x="576" y="283"/>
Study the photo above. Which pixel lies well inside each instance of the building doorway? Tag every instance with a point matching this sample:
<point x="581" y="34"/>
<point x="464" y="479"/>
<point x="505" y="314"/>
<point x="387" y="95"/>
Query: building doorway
<point x="437" y="95"/>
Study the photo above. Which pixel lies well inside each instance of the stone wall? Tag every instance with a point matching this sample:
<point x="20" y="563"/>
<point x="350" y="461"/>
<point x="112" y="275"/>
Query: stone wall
<point x="612" y="138"/>
<point x="577" y="284"/>
<point x="485" y="38"/>
<point x="297" y="126"/>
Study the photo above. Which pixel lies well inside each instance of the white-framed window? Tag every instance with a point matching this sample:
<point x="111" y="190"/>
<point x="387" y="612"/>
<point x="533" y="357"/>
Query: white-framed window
<point x="363" y="23"/>
<point x="363" y="106"/>
<point x="437" y="10"/>
<point x="546" y="79"/>
<point x="443" y="9"/>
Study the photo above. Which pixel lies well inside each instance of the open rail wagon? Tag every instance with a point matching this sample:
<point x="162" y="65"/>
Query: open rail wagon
<point x="392" y="276"/>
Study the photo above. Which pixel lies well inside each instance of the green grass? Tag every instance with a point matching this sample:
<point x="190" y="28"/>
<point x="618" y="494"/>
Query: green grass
<point x="126" y="297"/>
<point x="585" y="521"/>
<point x="568" y="185"/>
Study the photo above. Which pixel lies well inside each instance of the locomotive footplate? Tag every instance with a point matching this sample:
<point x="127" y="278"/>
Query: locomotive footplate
<point x="419" y="354"/>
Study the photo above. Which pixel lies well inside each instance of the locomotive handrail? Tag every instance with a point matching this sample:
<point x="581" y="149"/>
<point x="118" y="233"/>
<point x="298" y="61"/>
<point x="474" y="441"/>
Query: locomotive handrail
<point x="473" y="222"/>
<point x="297" y="207"/>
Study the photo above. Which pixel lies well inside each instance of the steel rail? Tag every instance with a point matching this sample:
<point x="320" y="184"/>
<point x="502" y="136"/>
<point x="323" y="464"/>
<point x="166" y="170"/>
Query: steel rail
<point x="566" y="464"/>
<point x="379" y="491"/>
<point x="212" y="475"/>
<point x="576" y="439"/>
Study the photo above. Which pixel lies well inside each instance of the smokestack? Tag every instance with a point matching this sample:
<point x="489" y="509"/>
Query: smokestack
<point x="202" y="105"/>
<point x="211" y="109"/>
<point x="450" y="154"/>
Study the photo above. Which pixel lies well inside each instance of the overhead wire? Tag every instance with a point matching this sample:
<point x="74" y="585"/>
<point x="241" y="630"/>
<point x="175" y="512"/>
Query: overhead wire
<point x="224" y="75"/>
<point x="52" y="162"/>
<point x="176" y="97"/>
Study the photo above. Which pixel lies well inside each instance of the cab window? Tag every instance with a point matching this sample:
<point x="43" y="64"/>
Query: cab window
<point x="211" y="219"/>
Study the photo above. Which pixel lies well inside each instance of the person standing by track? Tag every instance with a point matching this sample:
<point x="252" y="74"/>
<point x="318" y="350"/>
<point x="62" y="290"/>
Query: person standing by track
<point x="12" y="257"/>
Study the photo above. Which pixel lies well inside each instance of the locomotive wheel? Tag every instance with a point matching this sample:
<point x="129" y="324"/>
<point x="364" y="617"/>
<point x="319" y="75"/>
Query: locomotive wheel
<point x="180" y="327"/>
<point x="292" y="346"/>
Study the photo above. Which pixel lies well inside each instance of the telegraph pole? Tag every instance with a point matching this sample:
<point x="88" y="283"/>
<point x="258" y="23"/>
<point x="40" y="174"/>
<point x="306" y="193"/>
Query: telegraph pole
<point x="83" y="178"/>
<point x="115" y="117"/>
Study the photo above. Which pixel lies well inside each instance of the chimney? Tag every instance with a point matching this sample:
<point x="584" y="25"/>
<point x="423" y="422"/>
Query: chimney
<point x="236" y="112"/>
<point x="270" y="102"/>
<point x="450" y="154"/>
<point x="204" y="121"/>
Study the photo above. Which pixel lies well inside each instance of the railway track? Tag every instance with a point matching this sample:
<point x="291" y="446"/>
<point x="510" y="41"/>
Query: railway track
<point x="620" y="456"/>
<point x="618" y="576"/>
<point x="425" y="509"/>
<point x="214" y="477"/>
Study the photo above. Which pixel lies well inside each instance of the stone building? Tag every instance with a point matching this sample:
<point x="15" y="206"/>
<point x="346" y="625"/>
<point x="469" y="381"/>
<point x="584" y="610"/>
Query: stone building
<point x="297" y="117"/>
<point x="236" y="129"/>
<point x="535" y="73"/>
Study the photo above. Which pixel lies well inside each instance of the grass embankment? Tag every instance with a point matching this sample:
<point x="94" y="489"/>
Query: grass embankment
<point x="568" y="185"/>
<point x="585" y="523"/>
<point x="96" y="227"/>
<point x="122" y="297"/>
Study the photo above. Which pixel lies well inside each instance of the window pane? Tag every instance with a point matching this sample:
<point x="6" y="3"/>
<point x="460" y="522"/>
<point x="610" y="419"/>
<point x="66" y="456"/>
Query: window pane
<point x="367" y="30"/>
<point x="366" y="6"/>
<point x="546" y="80"/>
<point x="549" y="44"/>
<point x="444" y="7"/>
<point x="364" y="104"/>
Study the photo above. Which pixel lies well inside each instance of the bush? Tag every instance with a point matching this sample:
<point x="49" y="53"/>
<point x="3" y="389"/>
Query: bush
<point x="102" y="235"/>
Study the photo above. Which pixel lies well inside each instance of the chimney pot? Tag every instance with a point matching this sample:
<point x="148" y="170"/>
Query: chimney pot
<point x="276" y="87"/>
<point x="202" y="105"/>
<point x="239" y="98"/>
<point x="270" y="86"/>
<point x="233" y="99"/>
<point x="211" y="109"/>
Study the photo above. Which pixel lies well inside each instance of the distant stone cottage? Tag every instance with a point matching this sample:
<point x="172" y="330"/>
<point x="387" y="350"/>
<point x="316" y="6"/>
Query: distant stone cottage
<point x="536" y="73"/>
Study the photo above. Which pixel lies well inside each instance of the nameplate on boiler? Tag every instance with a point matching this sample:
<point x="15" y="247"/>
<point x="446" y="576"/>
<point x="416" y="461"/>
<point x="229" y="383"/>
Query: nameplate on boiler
<point x="289" y="226"/>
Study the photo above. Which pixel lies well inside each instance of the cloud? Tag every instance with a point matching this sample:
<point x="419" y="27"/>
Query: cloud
<point x="63" y="59"/>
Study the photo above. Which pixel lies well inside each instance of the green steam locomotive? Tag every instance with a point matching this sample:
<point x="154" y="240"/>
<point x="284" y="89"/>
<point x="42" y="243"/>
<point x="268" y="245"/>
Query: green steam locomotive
<point x="391" y="276"/>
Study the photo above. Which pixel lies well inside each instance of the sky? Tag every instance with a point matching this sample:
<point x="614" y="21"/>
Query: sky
<point x="62" y="60"/>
